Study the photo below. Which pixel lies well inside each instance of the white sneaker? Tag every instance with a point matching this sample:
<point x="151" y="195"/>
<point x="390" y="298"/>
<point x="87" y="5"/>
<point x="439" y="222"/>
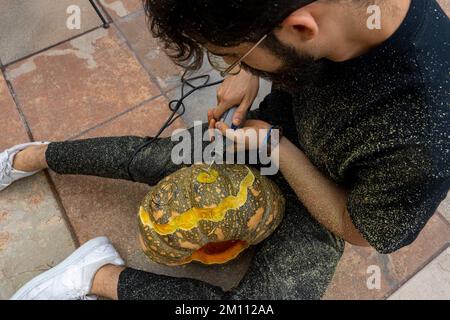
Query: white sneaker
<point x="8" y="174"/>
<point x="72" y="279"/>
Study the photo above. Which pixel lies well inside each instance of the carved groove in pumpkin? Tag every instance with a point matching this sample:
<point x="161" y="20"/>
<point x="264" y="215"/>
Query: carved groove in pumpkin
<point x="219" y="252"/>
<point x="190" y="219"/>
<point x="208" y="219"/>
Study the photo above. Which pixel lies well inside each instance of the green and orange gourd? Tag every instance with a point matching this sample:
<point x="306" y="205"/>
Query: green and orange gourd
<point x="208" y="216"/>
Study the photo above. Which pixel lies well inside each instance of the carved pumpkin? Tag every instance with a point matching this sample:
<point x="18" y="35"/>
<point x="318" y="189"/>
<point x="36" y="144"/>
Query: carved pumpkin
<point x="210" y="217"/>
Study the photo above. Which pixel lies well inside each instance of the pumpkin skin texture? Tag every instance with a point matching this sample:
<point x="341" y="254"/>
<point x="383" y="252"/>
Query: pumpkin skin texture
<point x="193" y="215"/>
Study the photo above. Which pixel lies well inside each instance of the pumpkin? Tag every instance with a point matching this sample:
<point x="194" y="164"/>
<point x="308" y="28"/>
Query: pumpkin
<point x="209" y="216"/>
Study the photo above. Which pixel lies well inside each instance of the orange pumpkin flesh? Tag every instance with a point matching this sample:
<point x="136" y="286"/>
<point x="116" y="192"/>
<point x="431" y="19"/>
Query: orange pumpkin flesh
<point x="219" y="252"/>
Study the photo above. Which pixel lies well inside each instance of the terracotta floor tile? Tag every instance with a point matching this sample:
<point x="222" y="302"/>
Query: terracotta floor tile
<point x="445" y="4"/>
<point x="29" y="26"/>
<point x="121" y="8"/>
<point x="352" y="273"/>
<point x="33" y="233"/>
<point x="150" y="51"/>
<point x="11" y="127"/>
<point x="102" y="207"/>
<point x="431" y="283"/>
<point x="143" y="121"/>
<point x="79" y="84"/>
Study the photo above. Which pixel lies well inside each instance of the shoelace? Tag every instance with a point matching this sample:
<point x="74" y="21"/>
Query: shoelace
<point x="74" y="290"/>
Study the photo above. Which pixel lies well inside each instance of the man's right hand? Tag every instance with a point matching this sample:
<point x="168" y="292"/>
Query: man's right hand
<point x="240" y="90"/>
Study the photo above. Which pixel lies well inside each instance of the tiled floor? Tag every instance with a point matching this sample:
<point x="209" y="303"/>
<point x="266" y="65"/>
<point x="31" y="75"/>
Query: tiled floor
<point x="432" y="282"/>
<point x="149" y="51"/>
<point x="117" y="81"/>
<point x="29" y="26"/>
<point x="353" y="272"/>
<point x="121" y="8"/>
<point x="34" y="235"/>
<point x="79" y="84"/>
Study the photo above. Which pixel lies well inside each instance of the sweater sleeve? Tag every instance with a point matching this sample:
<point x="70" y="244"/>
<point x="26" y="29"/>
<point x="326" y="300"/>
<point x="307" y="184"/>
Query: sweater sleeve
<point x="395" y="192"/>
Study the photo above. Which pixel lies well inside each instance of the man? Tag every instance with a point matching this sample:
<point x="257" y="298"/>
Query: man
<point x="366" y="145"/>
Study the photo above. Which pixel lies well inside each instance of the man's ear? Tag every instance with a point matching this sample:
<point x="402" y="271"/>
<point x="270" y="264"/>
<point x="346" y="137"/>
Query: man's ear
<point x="303" y="23"/>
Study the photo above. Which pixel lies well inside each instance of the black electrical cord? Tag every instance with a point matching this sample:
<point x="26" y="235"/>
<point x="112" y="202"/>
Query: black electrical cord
<point x="178" y="108"/>
<point x="99" y="13"/>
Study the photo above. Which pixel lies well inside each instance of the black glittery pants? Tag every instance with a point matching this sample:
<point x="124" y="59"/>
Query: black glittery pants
<point x="296" y="262"/>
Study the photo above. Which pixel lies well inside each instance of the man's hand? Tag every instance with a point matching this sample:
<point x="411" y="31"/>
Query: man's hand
<point x="326" y="201"/>
<point x="249" y="137"/>
<point x="239" y="90"/>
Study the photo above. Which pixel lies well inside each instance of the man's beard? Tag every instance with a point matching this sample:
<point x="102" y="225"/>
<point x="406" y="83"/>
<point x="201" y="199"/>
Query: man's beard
<point x="297" y="71"/>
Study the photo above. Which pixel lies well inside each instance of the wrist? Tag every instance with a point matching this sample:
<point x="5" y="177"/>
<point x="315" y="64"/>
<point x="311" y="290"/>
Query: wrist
<point x="273" y="138"/>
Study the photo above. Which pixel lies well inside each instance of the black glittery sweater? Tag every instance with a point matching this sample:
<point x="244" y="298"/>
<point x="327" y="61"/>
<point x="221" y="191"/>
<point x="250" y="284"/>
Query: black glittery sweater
<point x="380" y="126"/>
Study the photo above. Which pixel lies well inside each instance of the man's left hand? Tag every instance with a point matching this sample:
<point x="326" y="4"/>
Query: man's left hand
<point x="250" y="137"/>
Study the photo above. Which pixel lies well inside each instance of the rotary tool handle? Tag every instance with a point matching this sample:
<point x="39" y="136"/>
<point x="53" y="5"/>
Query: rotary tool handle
<point x="227" y="118"/>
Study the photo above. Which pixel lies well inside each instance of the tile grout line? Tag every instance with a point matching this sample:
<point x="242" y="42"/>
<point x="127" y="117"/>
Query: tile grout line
<point x="98" y="125"/>
<point x="61" y="207"/>
<point x="49" y="179"/>
<point x="127" y="43"/>
<point x="438" y="252"/>
<point x="28" y="129"/>
<point x="101" y="14"/>
<point x="165" y="92"/>
<point x="419" y="269"/>
<point x="51" y="47"/>
<point x="136" y="55"/>
<point x="138" y="59"/>
<point x="131" y="15"/>
<point x="50" y="182"/>
<point x="17" y="104"/>
<point x="123" y="37"/>
<point x="441" y="215"/>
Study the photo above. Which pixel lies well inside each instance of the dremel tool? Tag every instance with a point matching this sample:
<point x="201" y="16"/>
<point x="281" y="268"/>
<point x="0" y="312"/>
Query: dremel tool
<point x="227" y="118"/>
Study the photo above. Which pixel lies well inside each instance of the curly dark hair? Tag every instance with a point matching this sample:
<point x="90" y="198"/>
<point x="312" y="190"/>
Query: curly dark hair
<point x="185" y="25"/>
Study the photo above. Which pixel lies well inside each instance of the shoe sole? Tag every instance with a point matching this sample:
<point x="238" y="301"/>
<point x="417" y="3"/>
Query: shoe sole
<point x="80" y="253"/>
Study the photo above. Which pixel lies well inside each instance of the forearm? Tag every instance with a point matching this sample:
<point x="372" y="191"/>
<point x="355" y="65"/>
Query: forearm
<point x="325" y="200"/>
